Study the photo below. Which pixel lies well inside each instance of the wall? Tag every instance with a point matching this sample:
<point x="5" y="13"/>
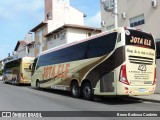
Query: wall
<point x="38" y="42"/>
<point x="31" y="51"/>
<point x="56" y="42"/>
<point x="48" y="7"/>
<point x="134" y="8"/>
<point x="64" y="14"/>
<point x="21" y="51"/>
<point x="79" y="34"/>
<point x="72" y="35"/>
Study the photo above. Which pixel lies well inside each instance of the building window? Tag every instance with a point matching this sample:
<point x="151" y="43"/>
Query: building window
<point x="136" y="21"/>
<point x="54" y="37"/>
<point x="62" y="35"/>
<point x="57" y="35"/>
<point x="49" y="16"/>
<point x="110" y="27"/>
<point x="50" y="38"/>
<point x="89" y="34"/>
<point x="157" y="40"/>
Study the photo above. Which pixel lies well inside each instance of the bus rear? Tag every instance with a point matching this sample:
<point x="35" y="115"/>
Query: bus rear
<point x="137" y="75"/>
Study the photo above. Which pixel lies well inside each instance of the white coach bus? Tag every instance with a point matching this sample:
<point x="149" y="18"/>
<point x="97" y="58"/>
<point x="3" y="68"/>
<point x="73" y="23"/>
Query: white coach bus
<point x="119" y="62"/>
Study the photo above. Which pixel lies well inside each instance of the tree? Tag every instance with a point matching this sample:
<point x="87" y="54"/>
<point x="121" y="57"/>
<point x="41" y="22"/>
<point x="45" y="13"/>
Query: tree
<point x="1" y="72"/>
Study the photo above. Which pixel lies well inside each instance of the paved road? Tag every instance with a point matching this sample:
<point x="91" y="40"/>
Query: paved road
<point x="23" y="98"/>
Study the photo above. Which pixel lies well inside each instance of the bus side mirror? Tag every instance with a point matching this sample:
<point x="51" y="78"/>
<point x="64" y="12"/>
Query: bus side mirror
<point x="30" y="67"/>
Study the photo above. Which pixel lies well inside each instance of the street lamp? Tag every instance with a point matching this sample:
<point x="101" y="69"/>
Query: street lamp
<point x="111" y="6"/>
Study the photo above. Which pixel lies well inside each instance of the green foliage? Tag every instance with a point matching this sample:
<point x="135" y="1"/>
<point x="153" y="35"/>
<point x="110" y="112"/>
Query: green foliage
<point x="1" y="72"/>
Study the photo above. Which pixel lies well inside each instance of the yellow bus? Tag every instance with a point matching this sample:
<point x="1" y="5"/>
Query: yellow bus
<point x="119" y="62"/>
<point x="17" y="71"/>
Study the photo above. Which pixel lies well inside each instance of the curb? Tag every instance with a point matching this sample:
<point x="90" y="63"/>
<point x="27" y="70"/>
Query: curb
<point x="145" y="99"/>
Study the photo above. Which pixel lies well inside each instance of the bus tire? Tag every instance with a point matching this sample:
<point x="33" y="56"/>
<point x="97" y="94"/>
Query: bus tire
<point x="37" y="85"/>
<point x="4" y="81"/>
<point x="75" y="89"/>
<point x="16" y="81"/>
<point x="12" y="81"/>
<point x="87" y="91"/>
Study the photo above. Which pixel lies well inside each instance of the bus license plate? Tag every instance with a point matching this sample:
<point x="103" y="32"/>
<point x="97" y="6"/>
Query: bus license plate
<point x="142" y="89"/>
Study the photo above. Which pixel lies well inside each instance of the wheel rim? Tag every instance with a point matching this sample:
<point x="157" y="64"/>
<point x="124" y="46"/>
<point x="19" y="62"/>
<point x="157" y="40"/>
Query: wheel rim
<point x="15" y="82"/>
<point x="75" y="90"/>
<point x="38" y="84"/>
<point x="87" y="91"/>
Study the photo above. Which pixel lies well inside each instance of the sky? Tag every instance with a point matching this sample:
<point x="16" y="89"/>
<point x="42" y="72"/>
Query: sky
<point x="18" y="17"/>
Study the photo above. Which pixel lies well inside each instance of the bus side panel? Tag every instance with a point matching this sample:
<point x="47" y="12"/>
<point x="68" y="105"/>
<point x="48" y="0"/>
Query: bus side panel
<point x="105" y="84"/>
<point x="59" y="76"/>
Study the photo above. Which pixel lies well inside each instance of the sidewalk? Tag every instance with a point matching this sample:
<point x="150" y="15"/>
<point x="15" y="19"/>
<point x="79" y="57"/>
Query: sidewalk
<point x="151" y="98"/>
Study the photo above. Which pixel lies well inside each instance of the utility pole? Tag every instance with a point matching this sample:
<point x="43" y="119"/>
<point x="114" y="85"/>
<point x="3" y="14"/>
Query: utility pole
<point x="115" y="14"/>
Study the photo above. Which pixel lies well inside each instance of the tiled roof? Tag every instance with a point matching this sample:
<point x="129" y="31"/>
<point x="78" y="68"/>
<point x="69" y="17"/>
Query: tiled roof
<point x="22" y="42"/>
<point x="72" y="26"/>
<point x="39" y="26"/>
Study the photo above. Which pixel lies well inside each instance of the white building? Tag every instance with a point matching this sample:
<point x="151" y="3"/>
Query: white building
<point x="142" y="14"/>
<point x="30" y="49"/>
<point x="60" y="12"/>
<point x="69" y="33"/>
<point x="23" y="49"/>
<point x="20" y="49"/>
<point x="57" y="14"/>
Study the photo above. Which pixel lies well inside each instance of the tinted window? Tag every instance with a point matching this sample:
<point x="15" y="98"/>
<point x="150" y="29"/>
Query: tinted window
<point x="88" y="49"/>
<point x="138" y="38"/>
<point x="11" y="64"/>
<point x="33" y="66"/>
<point x="102" y="45"/>
<point x="158" y="50"/>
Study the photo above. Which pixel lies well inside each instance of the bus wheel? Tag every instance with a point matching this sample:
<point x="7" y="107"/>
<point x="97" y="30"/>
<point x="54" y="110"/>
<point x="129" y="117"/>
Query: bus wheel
<point x="15" y="81"/>
<point x="75" y="90"/>
<point x="37" y="85"/>
<point x="4" y="81"/>
<point x="87" y="91"/>
<point x="12" y="81"/>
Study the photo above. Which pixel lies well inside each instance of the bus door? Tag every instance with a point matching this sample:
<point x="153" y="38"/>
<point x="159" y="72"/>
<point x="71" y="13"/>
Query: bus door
<point x="107" y="76"/>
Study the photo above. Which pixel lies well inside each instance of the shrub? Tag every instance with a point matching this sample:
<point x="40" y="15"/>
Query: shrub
<point x="1" y="72"/>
